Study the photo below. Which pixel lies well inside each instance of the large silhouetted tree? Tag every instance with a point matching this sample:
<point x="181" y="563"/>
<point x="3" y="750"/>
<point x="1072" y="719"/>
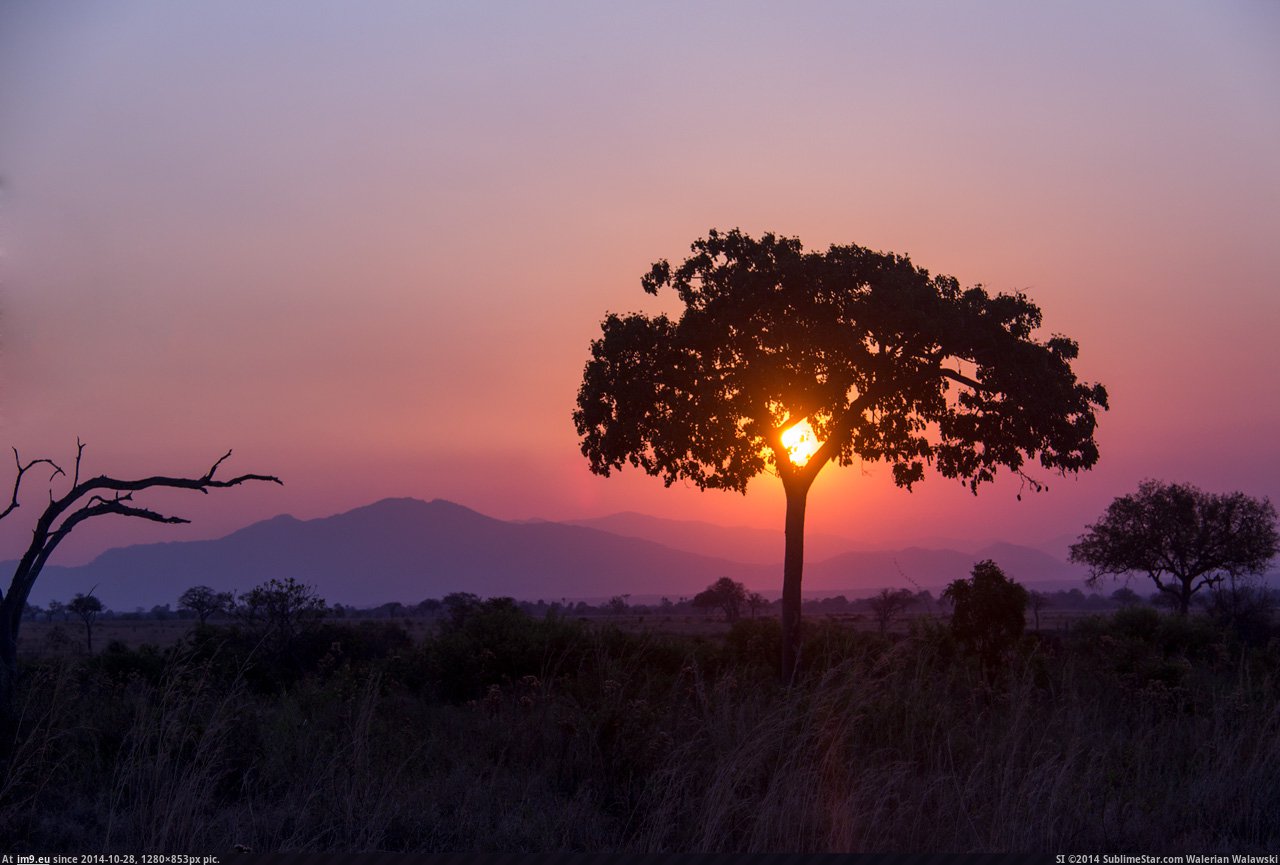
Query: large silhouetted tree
<point x="1181" y="537"/>
<point x="86" y="499"/>
<point x="883" y="360"/>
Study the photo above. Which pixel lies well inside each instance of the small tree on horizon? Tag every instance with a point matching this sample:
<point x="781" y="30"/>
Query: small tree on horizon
<point x="87" y="607"/>
<point x="205" y="602"/>
<point x="1037" y="602"/>
<point x="1126" y="597"/>
<point x="282" y="607"/>
<point x="1184" y="539"/>
<point x="785" y="360"/>
<point x="725" y="594"/>
<point x="887" y="604"/>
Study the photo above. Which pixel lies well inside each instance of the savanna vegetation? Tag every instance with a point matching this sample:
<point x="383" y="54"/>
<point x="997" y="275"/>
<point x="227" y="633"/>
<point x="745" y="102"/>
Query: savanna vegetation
<point x="500" y="730"/>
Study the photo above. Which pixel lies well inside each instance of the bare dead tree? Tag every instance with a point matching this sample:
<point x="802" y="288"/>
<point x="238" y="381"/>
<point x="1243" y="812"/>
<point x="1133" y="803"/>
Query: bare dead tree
<point x="86" y="499"/>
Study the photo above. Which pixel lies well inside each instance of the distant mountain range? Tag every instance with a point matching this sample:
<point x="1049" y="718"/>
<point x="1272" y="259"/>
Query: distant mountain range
<point x="736" y="543"/>
<point x="407" y="550"/>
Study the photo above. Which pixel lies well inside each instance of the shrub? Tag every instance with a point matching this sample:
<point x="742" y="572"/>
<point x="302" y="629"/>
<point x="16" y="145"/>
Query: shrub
<point x="989" y="614"/>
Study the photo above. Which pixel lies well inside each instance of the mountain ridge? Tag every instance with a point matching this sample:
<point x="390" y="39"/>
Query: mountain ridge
<point x="406" y="549"/>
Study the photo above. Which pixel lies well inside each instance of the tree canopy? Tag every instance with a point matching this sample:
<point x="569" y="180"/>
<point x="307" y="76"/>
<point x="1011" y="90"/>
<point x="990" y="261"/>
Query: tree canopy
<point x="725" y="593"/>
<point x="882" y="360"/>
<point x="989" y="613"/>
<point x="87" y="608"/>
<point x="887" y="604"/>
<point x="205" y="602"/>
<point x="1182" y="538"/>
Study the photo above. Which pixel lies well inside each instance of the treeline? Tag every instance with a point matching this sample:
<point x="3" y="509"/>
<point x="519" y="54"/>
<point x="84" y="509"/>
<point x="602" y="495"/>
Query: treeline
<point x="920" y="600"/>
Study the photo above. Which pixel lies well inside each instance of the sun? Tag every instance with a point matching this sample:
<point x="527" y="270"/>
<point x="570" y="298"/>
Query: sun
<point x="801" y="442"/>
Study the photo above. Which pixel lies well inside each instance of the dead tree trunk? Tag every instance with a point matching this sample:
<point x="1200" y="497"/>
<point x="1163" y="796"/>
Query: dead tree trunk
<point x="94" y="497"/>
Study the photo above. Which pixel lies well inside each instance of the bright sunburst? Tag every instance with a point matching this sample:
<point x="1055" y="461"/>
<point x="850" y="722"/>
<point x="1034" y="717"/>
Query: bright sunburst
<point x="801" y="442"/>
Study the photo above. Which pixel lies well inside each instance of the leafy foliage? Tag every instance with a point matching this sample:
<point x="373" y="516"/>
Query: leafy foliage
<point x="281" y="606"/>
<point x="725" y="594"/>
<point x="205" y="602"/>
<point x="1181" y="537"/>
<point x="989" y="613"/>
<point x="87" y="607"/>
<point x="874" y="351"/>
<point x="887" y="604"/>
<point x="884" y="361"/>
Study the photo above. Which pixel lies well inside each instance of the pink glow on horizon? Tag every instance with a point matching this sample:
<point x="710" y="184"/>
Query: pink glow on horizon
<point x="369" y="255"/>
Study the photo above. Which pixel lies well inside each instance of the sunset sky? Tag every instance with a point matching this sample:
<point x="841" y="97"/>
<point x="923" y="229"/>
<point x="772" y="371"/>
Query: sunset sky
<point x="367" y="246"/>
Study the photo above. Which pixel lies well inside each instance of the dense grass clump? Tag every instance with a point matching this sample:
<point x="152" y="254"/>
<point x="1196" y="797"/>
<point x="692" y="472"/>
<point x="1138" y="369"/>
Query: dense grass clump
<point x="504" y="732"/>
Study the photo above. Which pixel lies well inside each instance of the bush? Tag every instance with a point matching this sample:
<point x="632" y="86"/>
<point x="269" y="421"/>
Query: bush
<point x="119" y="663"/>
<point x="990" y="614"/>
<point x="493" y="642"/>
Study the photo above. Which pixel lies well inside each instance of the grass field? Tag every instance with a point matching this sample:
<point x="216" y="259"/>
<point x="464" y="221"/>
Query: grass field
<point x="495" y="731"/>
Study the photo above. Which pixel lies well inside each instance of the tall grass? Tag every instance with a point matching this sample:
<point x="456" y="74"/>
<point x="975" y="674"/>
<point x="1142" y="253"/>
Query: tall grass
<point x="1132" y="735"/>
<point x="175" y="752"/>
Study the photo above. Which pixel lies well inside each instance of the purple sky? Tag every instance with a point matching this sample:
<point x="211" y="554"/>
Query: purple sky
<point x="367" y="247"/>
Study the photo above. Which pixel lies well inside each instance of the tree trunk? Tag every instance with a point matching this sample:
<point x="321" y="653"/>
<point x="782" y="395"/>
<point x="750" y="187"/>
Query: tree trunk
<point x="1184" y="598"/>
<point x="8" y="686"/>
<point x="792" y="571"/>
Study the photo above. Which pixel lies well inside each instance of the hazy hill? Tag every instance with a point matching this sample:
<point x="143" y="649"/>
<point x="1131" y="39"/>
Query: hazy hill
<point x="737" y="543"/>
<point x="407" y="550"/>
<point x="398" y="550"/>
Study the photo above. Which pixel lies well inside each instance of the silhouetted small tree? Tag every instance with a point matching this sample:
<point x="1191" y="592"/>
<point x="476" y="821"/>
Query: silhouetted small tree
<point x="460" y="605"/>
<point x="756" y="602"/>
<point x="724" y="594"/>
<point x="988" y="614"/>
<point x="205" y="602"/>
<point x="1126" y="597"/>
<point x="1037" y="601"/>
<point x="887" y="604"/>
<point x="281" y="607"/>
<point x="87" y="608"/>
<point x="1181" y="537"/>
<point x="55" y="608"/>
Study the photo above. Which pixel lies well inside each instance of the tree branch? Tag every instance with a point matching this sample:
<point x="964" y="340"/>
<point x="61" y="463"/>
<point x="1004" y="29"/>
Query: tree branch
<point x="22" y="470"/>
<point x="963" y="379"/>
<point x="840" y="430"/>
<point x="79" y="454"/>
<point x="49" y="533"/>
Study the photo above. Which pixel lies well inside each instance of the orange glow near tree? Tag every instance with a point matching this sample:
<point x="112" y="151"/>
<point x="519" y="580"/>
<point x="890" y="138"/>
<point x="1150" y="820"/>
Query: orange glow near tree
<point x="801" y="442"/>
